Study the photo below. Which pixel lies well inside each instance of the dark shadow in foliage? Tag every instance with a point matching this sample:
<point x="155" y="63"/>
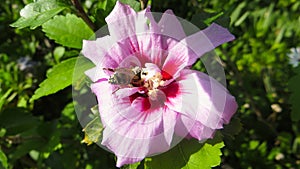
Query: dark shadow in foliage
<point x="54" y="104"/>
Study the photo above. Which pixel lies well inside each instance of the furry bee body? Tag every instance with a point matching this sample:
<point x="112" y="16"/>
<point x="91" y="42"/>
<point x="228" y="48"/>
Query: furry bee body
<point x="126" y="76"/>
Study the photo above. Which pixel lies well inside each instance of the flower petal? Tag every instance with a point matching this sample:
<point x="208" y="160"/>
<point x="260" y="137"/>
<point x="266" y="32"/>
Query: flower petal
<point x="206" y="40"/>
<point x="96" y="73"/>
<point x="123" y="22"/>
<point x="187" y="127"/>
<point x="154" y="47"/>
<point x="201" y="97"/>
<point x="170" y="26"/>
<point x="132" y="140"/>
<point x="163" y="36"/>
<point x="176" y="60"/>
<point x="103" y="90"/>
<point x="141" y="104"/>
<point x="103" y="52"/>
<point x="126" y="92"/>
<point x="130" y="133"/>
<point x="129" y="62"/>
<point x="96" y="50"/>
<point x="156" y="42"/>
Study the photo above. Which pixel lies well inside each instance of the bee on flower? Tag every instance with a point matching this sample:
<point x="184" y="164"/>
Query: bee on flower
<point x="146" y="92"/>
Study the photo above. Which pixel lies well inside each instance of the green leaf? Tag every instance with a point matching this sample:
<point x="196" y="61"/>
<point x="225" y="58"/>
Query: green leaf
<point x="3" y="98"/>
<point x="26" y="146"/>
<point x="69" y="112"/>
<point x="131" y="166"/>
<point x="37" y="20"/>
<point x="68" y="30"/>
<point x="61" y="76"/>
<point x="2" y="132"/>
<point x="189" y="154"/>
<point x="38" y="6"/>
<point x="237" y="12"/>
<point x="212" y="18"/>
<point x="58" y="53"/>
<point x="102" y="4"/>
<point x="203" y="19"/>
<point x="17" y="120"/>
<point x="133" y="4"/>
<point x="295" y="95"/>
<point x="50" y="132"/>
<point x="242" y="18"/>
<point x="3" y="159"/>
<point x="233" y="128"/>
<point x="93" y="131"/>
<point x="37" y="13"/>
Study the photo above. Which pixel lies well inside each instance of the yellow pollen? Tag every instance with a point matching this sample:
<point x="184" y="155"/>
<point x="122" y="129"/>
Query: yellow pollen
<point x="152" y="83"/>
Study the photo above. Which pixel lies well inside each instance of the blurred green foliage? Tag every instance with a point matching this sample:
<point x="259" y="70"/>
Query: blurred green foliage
<point x="46" y="133"/>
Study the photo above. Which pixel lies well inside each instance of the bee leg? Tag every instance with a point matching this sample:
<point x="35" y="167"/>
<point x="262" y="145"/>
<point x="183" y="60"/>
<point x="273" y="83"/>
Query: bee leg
<point x="115" y="90"/>
<point x="109" y="69"/>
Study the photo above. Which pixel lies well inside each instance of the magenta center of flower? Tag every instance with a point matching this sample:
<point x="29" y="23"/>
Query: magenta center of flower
<point x="152" y="81"/>
<point x="147" y="79"/>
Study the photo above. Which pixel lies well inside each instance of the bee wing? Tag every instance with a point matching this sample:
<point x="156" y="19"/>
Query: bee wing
<point x="126" y="72"/>
<point x="130" y="61"/>
<point x="122" y="76"/>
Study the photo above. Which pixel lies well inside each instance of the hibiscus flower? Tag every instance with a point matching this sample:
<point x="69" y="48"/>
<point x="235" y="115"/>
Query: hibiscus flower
<point x="148" y="96"/>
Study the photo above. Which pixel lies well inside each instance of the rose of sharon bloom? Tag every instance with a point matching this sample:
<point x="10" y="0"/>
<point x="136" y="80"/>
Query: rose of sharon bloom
<point x="147" y="95"/>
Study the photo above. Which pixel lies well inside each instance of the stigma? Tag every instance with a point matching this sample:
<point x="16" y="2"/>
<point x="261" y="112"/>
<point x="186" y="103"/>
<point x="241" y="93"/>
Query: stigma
<point x="153" y="79"/>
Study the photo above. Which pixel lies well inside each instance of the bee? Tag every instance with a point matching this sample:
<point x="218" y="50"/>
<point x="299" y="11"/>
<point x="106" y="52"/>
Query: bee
<point x="130" y="77"/>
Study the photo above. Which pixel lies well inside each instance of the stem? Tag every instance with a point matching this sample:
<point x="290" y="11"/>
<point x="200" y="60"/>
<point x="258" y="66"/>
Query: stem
<point x="143" y="4"/>
<point x="83" y="15"/>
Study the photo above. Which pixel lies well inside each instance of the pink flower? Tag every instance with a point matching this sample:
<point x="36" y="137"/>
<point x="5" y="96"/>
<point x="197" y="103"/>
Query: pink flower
<point x="146" y="93"/>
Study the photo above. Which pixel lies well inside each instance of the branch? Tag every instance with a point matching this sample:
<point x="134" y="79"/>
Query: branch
<point x="83" y="15"/>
